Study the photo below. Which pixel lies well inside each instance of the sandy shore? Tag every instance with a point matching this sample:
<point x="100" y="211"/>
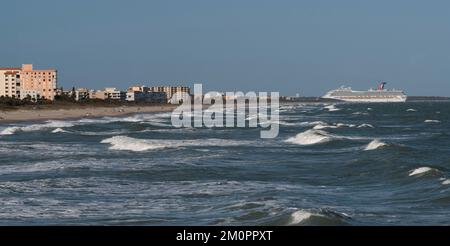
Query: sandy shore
<point x="86" y="112"/>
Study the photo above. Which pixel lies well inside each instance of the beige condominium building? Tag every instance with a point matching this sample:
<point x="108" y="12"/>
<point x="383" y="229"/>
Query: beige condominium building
<point x="38" y="83"/>
<point x="171" y="90"/>
<point x="10" y="82"/>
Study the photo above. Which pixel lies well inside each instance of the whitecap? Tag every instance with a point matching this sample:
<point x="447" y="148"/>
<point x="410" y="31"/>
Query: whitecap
<point x="411" y="110"/>
<point x="331" y="108"/>
<point x="310" y="137"/>
<point x="345" y="125"/>
<point x="320" y="126"/>
<point x="421" y="171"/>
<point x="313" y="123"/>
<point x="446" y="182"/>
<point x="375" y="144"/>
<point x="139" y="145"/>
<point x="432" y="121"/>
<point x="58" y="130"/>
<point x="299" y="217"/>
<point x="36" y="127"/>
<point x="323" y="125"/>
<point x="9" y="130"/>
<point x="364" y="125"/>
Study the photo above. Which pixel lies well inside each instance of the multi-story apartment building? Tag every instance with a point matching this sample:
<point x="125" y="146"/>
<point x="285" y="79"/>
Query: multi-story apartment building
<point x="10" y="82"/>
<point x="171" y="90"/>
<point x="108" y="93"/>
<point x="114" y="94"/>
<point x="38" y="83"/>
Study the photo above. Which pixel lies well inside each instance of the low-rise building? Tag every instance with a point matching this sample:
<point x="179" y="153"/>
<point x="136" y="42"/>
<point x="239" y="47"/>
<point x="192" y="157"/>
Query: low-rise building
<point x="143" y="94"/>
<point x="114" y="94"/>
<point x="82" y="94"/>
<point x="108" y="94"/>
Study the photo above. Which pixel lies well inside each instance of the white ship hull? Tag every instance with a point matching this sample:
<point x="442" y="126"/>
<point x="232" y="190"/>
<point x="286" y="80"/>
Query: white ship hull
<point x="373" y="100"/>
<point x="373" y="96"/>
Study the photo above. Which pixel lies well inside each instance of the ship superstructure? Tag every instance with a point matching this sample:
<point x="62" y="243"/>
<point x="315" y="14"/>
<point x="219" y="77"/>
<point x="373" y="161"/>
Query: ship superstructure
<point x="379" y="95"/>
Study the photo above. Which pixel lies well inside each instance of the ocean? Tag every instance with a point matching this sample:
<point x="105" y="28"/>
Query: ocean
<point x="340" y="164"/>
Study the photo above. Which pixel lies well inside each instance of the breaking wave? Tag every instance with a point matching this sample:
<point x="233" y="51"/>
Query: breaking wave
<point x="313" y="123"/>
<point x="319" y="217"/>
<point x="375" y="144"/>
<point x="432" y="121"/>
<point x="138" y="145"/>
<point x="422" y="171"/>
<point x="58" y="130"/>
<point x="337" y="125"/>
<point x="36" y="127"/>
<point x="299" y="216"/>
<point x="366" y="126"/>
<point x="310" y="137"/>
<point x="331" y="108"/>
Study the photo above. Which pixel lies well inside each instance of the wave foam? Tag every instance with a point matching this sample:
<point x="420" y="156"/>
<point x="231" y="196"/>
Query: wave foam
<point x="432" y="121"/>
<point x="365" y="126"/>
<point x="9" y="130"/>
<point x="446" y="182"/>
<point x="36" y="127"/>
<point x="58" y="130"/>
<point x="421" y="171"/>
<point x="320" y="126"/>
<point x="310" y="137"/>
<point x="318" y="217"/>
<point x="299" y="216"/>
<point x="411" y="110"/>
<point x="375" y="144"/>
<point x="331" y="108"/>
<point x="139" y="145"/>
<point x="312" y="123"/>
<point x="336" y="125"/>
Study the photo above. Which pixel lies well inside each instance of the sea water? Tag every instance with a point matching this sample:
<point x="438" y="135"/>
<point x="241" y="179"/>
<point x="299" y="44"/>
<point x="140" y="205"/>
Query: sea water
<point x="332" y="164"/>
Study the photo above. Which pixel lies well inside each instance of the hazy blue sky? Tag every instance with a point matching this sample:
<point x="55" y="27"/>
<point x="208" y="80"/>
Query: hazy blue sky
<point x="305" y="47"/>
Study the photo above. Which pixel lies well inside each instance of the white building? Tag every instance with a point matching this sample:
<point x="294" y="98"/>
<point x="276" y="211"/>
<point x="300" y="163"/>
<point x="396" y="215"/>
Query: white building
<point x="114" y="94"/>
<point x="10" y="82"/>
<point x="82" y="94"/>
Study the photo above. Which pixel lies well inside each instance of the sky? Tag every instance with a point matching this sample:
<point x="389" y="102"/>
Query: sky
<point x="305" y="47"/>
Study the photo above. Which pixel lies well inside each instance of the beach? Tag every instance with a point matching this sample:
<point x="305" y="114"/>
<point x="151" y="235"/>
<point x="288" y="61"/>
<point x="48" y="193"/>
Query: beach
<point x="7" y="116"/>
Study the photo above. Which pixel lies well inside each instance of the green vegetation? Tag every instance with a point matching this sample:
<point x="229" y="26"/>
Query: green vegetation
<point x="64" y="101"/>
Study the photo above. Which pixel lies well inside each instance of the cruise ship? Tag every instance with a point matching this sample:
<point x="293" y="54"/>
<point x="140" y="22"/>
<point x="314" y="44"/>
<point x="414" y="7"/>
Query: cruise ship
<point x="379" y="95"/>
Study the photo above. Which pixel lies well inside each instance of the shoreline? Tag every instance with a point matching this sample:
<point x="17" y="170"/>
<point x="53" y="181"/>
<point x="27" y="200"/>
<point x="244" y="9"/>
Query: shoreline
<point x="23" y="115"/>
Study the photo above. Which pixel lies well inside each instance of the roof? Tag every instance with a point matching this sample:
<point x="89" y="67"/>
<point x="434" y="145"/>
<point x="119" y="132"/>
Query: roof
<point x="10" y="68"/>
<point x="11" y="72"/>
